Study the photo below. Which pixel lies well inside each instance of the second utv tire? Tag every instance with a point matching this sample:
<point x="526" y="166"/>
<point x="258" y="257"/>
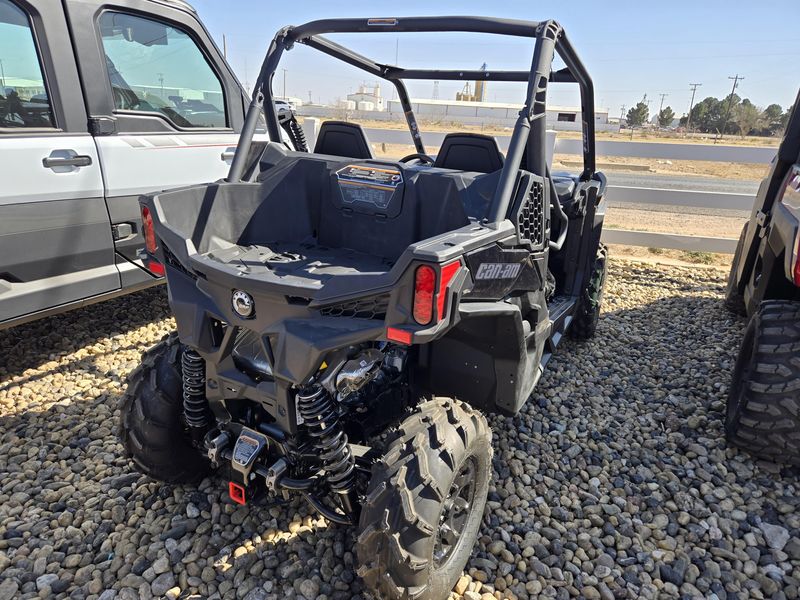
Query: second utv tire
<point x="587" y="313"/>
<point x="425" y="502"/>
<point x="734" y="301"/>
<point x="151" y="426"/>
<point x="763" y="412"/>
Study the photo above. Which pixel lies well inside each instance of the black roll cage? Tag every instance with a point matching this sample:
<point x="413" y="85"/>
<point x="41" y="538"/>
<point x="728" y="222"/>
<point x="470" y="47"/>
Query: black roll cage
<point x="529" y="129"/>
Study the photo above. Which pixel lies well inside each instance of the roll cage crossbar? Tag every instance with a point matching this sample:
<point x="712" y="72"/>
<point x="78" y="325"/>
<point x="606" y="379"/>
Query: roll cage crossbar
<point x="529" y="129"/>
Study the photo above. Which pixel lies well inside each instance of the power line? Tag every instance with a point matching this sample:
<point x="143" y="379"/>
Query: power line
<point x="694" y="87"/>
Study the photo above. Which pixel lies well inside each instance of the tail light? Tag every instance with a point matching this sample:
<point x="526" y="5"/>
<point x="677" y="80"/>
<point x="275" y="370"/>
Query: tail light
<point x="149" y="230"/>
<point x="424" y="290"/>
<point x="426" y="296"/>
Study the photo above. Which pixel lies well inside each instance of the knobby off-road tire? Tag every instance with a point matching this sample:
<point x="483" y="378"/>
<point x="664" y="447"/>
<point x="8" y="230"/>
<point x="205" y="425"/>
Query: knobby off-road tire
<point x="418" y="526"/>
<point x="587" y="313"/>
<point x="151" y="427"/>
<point x="763" y="412"/>
<point x="734" y="301"/>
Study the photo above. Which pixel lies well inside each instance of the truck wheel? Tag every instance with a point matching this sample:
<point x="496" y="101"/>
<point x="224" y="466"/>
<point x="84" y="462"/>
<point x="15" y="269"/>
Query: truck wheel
<point x="151" y="428"/>
<point x="763" y="413"/>
<point x="734" y="301"/>
<point x="425" y="502"/>
<point x="587" y="314"/>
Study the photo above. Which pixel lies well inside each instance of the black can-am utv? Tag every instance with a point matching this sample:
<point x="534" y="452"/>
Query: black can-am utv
<point x="344" y="321"/>
<point x="763" y="413"/>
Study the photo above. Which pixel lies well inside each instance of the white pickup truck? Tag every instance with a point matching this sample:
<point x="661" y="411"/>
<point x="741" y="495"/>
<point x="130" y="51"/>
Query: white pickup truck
<point x="100" y="101"/>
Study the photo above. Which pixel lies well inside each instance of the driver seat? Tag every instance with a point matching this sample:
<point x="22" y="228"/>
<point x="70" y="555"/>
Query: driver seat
<point x="340" y="138"/>
<point x="469" y="152"/>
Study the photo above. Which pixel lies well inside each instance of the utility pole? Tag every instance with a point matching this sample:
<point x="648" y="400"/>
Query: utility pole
<point x="661" y="106"/>
<point x="161" y="79"/>
<point x="2" y="78"/>
<point x="736" y="79"/>
<point x="284" y="84"/>
<point x="622" y="112"/>
<point x="310" y="101"/>
<point x="224" y="46"/>
<point x="694" y="87"/>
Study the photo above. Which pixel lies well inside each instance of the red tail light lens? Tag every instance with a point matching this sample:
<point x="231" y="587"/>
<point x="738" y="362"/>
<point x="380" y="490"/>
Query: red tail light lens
<point x="424" y="290"/>
<point x="149" y="230"/>
<point x="797" y="265"/>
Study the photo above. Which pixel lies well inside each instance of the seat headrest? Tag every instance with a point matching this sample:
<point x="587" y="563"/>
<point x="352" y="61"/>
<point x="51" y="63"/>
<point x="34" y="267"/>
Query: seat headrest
<point x="470" y="152"/>
<point x="343" y="139"/>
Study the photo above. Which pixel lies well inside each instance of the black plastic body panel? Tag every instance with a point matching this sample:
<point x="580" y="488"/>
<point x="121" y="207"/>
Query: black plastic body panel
<point x="765" y="258"/>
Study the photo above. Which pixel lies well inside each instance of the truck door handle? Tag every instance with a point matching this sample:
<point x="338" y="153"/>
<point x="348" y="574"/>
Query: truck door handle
<point x="66" y="158"/>
<point x="228" y="154"/>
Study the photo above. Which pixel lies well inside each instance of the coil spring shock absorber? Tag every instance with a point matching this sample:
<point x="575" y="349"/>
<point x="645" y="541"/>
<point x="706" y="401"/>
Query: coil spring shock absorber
<point x="298" y="135"/>
<point x="318" y="410"/>
<point x="195" y="403"/>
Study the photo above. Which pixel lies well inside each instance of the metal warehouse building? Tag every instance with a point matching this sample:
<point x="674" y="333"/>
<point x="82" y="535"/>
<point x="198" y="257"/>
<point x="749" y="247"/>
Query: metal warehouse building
<point x="559" y="118"/>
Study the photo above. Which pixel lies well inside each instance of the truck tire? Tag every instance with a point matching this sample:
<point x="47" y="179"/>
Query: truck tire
<point x="425" y="501"/>
<point x="763" y="412"/>
<point x="734" y="301"/>
<point x="152" y="428"/>
<point x="587" y="313"/>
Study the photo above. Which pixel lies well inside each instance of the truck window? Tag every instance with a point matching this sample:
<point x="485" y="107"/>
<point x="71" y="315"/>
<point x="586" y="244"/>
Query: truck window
<point x="156" y="67"/>
<point x="23" y="93"/>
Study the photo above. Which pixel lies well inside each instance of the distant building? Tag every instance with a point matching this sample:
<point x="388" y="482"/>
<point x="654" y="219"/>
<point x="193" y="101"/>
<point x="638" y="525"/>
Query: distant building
<point x="368" y="98"/>
<point x="559" y="118"/>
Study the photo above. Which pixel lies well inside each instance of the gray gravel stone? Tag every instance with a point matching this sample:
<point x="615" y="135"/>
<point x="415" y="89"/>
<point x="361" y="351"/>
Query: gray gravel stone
<point x="613" y="481"/>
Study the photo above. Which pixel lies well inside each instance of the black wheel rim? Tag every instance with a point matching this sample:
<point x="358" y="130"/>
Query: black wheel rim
<point x="456" y="509"/>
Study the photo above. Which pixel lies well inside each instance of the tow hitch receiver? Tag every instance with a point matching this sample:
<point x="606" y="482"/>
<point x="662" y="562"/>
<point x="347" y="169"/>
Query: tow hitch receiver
<point x="243" y="459"/>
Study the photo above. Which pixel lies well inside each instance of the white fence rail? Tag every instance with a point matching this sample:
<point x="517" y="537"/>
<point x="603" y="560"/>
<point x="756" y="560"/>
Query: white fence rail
<point x="644" y="195"/>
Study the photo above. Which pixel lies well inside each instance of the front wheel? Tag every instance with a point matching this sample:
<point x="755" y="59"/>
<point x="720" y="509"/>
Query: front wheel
<point x="152" y="428"/>
<point x="587" y="313"/>
<point x="734" y="300"/>
<point x="763" y="412"/>
<point x="425" y="502"/>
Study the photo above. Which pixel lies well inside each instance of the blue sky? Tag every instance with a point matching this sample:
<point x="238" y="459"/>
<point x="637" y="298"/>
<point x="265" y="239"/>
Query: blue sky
<point x="630" y="48"/>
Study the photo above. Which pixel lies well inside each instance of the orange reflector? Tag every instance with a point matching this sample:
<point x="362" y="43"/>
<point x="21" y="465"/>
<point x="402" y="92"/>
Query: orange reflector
<point x="398" y="335"/>
<point x="236" y="492"/>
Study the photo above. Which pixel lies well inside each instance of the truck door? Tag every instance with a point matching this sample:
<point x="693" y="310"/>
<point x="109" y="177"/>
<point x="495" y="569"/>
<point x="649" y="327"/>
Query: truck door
<point x="55" y="236"/>
<point x="165" y="107"/>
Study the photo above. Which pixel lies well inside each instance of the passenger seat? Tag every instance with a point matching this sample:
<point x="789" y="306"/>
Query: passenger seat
<point x="469" y="152"/>
<point x="340" y="138"/>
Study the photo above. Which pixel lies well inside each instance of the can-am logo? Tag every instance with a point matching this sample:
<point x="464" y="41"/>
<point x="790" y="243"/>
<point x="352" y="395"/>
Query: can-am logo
<point x="498" y="271"/>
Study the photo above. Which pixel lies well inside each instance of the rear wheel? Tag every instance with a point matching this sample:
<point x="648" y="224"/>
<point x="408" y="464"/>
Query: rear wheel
<point x="425" y="503"/>
<point x="587" y="313"/>
<point x="763" y="412"/>
<point x="734" y="300"/>
<point x="152" y="428"/>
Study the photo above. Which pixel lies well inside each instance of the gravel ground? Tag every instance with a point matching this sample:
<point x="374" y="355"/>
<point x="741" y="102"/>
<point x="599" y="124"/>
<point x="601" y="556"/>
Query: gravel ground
<point x="614" y="482"/>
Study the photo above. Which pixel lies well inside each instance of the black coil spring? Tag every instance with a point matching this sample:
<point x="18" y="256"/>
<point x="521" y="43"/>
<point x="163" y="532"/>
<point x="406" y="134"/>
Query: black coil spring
<point x="322" y="422"/>
<point x="298" y="135"/>
<point x="195" y="404"/>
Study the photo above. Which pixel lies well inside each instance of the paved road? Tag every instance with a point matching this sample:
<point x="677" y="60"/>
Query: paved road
<point x="683" y="182"/>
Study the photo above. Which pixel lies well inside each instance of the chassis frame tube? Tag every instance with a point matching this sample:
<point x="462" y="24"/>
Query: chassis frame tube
<point x="549" y="38"/>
